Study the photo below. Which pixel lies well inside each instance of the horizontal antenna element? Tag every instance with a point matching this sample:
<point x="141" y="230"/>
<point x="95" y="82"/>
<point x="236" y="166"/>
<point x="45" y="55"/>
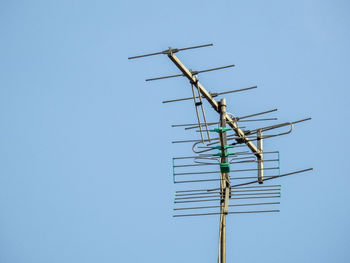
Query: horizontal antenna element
<point x="169" y="51"/>
<point x="213" y="94"/>
<point x="192" y="72"/>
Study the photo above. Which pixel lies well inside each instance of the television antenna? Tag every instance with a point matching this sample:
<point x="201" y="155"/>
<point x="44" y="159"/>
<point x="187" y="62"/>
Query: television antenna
<point x="249" y="191"/>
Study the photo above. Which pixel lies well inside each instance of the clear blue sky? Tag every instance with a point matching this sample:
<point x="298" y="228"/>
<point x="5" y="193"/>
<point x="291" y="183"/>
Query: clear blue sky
<point x="85" y="170"/>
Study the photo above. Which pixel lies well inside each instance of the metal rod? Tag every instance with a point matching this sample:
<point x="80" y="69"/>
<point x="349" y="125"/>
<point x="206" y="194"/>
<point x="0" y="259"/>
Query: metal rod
<point x="213" y="189"/>
<point x="307" y="119"/>
<point x="213" y="180"/>
<point x="197" y="181"/>
<point x="193" y="127"/>
<point x="200" y="193"/>
<point x="190" y="141"/>
<point x="194" y="157"/>
<point x="194" y="201"/>
<point x="234" y="171"/>
<point x="232" y="91"/>
<point x="211" y="69"/>
<point x="220" y="195"/>
<point x="237" y="198"/>
<point x="203" y="113"/>
<point x="165" y="77"/>
<point x="217" y="206"/>
<point x="186" y="48"/>
<point x="214" y="94"/>
<point x="198" y="119"/>
<point x="204" y="164"/>
<point x="241" y="212"/>
<point x="256" y="186"/>
<point x="213" y="123"/>
<point x="191" y="165"/>
<point x="271" y="152"/>
<point x="146" y="55"/>
<point x="190" y="124"/>
<point x="256" y="114"/>
<point x="241" y="127"/>
<point x="274" y="177"/>
<point x="252" y="161"/>
<point x="192" y="72"/>
<point x="265" y="119"/>
<point x="233" y="191"/>
<point x="167" y="51"/>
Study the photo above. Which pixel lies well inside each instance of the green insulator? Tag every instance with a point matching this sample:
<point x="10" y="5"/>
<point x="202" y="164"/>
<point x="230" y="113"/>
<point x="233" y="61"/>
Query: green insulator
<point x="218" y="147"/>
<point x="226" y="154"/>
<point x="225" y="167"/>
<point x="220" y="129"/>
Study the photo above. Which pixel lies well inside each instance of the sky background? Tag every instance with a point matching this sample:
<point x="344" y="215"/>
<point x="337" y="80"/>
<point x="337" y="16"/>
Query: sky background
<point x="85" y="142"/>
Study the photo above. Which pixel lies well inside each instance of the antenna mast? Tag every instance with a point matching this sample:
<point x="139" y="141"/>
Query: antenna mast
<point x="239" y="193"/>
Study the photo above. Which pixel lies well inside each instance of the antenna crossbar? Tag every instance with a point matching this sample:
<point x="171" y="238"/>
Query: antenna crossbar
<point x="187" y="73"/>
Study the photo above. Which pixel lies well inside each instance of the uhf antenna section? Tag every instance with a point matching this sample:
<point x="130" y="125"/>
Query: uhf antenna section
<point x="230" y="170"/>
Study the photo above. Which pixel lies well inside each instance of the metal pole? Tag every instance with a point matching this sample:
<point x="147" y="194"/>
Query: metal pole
<point x="224" y="185"/>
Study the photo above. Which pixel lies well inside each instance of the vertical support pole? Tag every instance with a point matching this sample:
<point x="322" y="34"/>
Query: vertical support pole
<point x="260" y="157"/>
<point x="224" y="185"/>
